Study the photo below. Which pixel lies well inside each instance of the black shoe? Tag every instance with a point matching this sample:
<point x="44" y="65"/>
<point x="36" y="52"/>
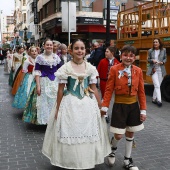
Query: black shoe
<point x="154" y="101"/>
<point x="159" y="104"/>
<point x="128" y="164"/>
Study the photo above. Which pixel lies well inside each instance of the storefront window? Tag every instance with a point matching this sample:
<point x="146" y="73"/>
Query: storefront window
<point x="86" y="8"/>
<point x="55" y="5"/>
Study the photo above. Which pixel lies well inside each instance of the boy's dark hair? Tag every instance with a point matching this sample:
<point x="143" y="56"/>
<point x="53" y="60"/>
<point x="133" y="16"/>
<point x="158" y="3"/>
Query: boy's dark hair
<point x="112" y="49"/>
<point x="128" y="48"/>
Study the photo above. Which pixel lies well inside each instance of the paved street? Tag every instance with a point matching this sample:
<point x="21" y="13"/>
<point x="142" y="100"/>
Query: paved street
<point x="21" y="143"/>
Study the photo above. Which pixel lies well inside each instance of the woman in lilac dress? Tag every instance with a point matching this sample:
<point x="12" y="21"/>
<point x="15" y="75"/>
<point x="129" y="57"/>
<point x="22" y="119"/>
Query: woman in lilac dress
<point x="46" y="65"/>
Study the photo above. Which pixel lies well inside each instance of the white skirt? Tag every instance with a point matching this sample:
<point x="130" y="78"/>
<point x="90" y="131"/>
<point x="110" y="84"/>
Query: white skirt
<point x="46" y="100"/>
<point x="79" y="138"/>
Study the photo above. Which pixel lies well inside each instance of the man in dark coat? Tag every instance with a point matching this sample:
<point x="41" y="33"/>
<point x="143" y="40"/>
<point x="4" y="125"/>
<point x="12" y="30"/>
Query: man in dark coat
<point x="97" y="54"/>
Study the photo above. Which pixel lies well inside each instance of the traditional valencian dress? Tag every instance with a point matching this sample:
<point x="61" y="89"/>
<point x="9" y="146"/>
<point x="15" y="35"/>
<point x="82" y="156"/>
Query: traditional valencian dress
<point x="45" y="68"/>
<point x="9" y="61"/>
<point x="17" y="61"/>
<point x="23" y="91"/>
<point x="78" y="139"/>
<point x="18" y="76"/>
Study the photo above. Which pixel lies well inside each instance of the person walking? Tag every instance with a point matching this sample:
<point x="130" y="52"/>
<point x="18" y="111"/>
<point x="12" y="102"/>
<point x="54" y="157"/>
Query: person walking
<point x="129" y="108"/>
<point x="104" y="67"/>
<point x="64" y="56"/>
<point x="46" y="65"/>
<point x="76" y="136"/>
<point x="26" y="80"/>
<point x="97" y="54"/>
<point x="157" y="58"/>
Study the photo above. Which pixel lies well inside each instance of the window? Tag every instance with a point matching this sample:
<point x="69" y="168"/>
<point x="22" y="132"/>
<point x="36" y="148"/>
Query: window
<point x="24" y="2"/>
<point x="46" y="10"/>
<point x="32" y="7"/>
<point x="55" y="5"/>
<point x="24" y="18"/>
<point x="86" y="8"/>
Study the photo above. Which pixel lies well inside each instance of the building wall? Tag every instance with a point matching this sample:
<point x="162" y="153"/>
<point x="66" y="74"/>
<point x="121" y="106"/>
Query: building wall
<point x="98" y="6"/>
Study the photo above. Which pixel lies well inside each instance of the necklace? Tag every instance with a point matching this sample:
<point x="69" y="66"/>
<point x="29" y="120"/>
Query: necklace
<point x="77" y="63"/>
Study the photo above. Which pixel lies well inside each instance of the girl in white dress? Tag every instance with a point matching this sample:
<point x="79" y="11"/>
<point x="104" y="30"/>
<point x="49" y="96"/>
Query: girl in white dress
<point x="76" y="136"/>
<point x="46" y="64"/>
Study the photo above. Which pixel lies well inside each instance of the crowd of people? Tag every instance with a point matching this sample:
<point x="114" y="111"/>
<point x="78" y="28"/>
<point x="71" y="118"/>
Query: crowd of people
<point x="58" y="87"/>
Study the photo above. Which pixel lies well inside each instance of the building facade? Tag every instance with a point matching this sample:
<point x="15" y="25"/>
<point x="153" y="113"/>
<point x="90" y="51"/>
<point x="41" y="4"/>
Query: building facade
<point x="89" y="21"/>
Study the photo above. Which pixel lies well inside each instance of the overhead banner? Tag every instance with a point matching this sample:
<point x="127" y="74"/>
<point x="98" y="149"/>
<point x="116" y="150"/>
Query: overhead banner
<point x="29" y="34"/>
<point x="21" y="33"/>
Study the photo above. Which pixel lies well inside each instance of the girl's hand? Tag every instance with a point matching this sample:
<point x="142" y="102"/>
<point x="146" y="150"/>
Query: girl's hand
<point x="102" y="113"/>
<point x="38" y="91"/>
<point x="142" y="117"/>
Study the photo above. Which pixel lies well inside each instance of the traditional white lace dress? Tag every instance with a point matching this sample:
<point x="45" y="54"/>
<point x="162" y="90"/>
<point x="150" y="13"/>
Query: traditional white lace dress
<point x="49" y="85"/>
<point x="78" y="139"/>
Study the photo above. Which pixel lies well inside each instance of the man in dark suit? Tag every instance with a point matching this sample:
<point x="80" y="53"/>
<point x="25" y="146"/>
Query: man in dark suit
<point x="97" y="54"/>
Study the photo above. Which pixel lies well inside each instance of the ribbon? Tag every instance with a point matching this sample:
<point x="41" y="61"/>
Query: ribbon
<point x="128" y="71"/>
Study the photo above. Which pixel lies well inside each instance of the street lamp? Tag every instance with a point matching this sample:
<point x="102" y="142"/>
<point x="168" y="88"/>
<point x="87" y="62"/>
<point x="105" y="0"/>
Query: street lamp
<point x="25" y="35"/>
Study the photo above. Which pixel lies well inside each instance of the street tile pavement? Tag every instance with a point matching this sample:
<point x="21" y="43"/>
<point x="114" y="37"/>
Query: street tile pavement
<point x="21" y="143"/>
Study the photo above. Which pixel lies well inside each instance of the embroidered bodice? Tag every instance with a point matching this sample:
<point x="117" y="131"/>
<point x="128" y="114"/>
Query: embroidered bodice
<point x="45" y="67"/>
<point x="76" y="83"/>
<point x="77" y="87"/>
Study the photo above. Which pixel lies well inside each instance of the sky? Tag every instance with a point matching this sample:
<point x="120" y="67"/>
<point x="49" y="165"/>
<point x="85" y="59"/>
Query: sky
<point x="7" y="6"/>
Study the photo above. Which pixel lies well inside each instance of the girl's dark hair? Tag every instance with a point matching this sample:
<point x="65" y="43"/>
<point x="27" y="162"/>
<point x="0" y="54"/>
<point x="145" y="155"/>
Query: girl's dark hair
<point x="111" y="49"/>
<point x="48" y="39"/>
<point x="128" y="48"/>
<point x="160" y="42"/>
<point x="72" y="44"/>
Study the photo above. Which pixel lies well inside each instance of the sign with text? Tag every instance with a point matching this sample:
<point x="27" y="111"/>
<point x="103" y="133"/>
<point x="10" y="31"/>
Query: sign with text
<point x="113" y="14"/>
<point x="35" y="11"/>
<point x="68" y="16"/>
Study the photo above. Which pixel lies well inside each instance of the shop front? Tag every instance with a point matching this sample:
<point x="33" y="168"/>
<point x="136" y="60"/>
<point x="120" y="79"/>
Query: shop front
<point x="88" y="30"/>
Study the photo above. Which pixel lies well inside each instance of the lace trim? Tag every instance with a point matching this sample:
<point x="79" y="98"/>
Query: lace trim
<point x="67" y="70"/>
<point x="42" y="61"/>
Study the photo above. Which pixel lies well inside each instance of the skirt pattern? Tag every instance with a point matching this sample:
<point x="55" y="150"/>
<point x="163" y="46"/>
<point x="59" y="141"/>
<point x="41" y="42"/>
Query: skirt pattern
<point x="21" y="96"/>
<point x="46" y="100"/>
<point x="30" y="111"/>
<point x="10" y="80"/>
<point x="80" y="145"/>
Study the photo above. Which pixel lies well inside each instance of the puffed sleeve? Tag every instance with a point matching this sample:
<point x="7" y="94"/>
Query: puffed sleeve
<point x="25" y="66"/>
<point x="94" y="75"/>
<point x="37" y="68"/>
<point x="62" y="74"/>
